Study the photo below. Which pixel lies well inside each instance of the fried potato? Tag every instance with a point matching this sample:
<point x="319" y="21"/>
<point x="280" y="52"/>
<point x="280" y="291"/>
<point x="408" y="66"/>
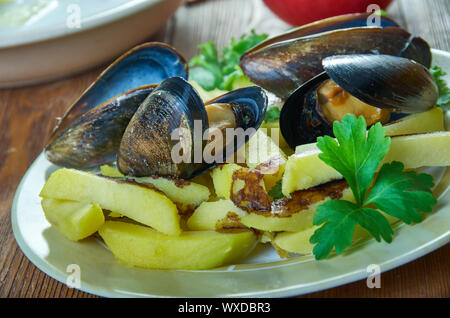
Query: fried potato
<point x="76" y="220"/>
<point x="263" y="154"/>
<point x="274" y="132"/>
<point x="141" y="246"/>
<point x="429" y="121"/>
<point x="298" y="242"/>
<point x="215" y="216"/>
<point x="304" y="169"/>
<point x="187" y="195"/>
<point x="222" y="177"/>
<point x="140" y="203"/>
<point x="296" y="213"/>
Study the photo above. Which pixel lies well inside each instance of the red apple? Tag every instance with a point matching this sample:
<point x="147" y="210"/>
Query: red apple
<point x="299" y="12"/>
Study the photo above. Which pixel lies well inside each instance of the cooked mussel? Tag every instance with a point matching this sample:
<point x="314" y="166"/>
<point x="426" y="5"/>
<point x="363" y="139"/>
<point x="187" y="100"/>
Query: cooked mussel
<point x="344" y="21"/>
<point x="372" y="86"/>
<point x="166" y="136"/>
<point x="282" y="64"/>
<point x="89" y="133"/>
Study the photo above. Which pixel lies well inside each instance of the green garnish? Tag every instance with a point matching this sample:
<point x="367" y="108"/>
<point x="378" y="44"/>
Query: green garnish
<point x="394" y="192"/>
<point x="212" y="70"/>
<point x="275" y="192"/>
<point x="444" y="91"/>
<point x="272" y="114"/>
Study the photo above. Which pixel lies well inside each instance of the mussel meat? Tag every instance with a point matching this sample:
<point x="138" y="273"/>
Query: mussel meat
<point x="372" y="86"/>
<point x="282" y="64"/>
<point x="89" y="133"/>
<point x="172" y="121"/>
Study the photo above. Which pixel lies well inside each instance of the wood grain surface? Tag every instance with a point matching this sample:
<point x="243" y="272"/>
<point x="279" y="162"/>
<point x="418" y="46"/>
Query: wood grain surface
<point x="28" y="114"/>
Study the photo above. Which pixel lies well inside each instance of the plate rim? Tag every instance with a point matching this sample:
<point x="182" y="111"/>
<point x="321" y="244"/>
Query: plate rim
<point x="28" y="37"/>
<point x="289" y="291"/>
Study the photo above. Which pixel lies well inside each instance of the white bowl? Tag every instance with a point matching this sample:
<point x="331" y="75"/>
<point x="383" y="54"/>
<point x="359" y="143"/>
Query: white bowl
<point x="49" y="49"/>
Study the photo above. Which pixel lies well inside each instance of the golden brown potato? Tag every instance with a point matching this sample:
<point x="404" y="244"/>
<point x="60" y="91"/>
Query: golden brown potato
<point x="140" y="203"/>
<point x="141" y="246"/>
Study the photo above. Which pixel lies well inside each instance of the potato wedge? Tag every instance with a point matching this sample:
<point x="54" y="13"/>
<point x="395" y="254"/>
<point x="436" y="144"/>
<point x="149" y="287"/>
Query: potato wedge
<point x="429" y="121"/>
<point x="422" y="150"/>
<point x="215" y="216"/>
<point x="287" y="214"/>
<point x="222" y="177"/>
<point x="295" y="242"/>
<point x="298" y="242"/>
<point x="76" y="220"/>
<point x="141" y="246"/>
<point x="248" y="191"/>
<point x="274" y="132"/>
<point x="186" y="195"/>
<point x="296" y="213"/>
<point x="142" y="204"/>
<point x="110" y="171"/>
<point x="304" y="169"/>
<point x="263" y="154"/>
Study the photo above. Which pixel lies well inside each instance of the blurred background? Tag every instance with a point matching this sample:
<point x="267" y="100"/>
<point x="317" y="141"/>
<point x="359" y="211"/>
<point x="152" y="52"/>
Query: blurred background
<point x="47" y="39"/>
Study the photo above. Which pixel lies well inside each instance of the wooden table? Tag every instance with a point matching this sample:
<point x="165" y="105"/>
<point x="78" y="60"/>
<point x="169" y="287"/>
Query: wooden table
<point x="28" y="114"/>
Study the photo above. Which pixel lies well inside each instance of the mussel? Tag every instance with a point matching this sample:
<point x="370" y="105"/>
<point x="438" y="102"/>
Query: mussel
<point x="344" y="21"/>
<point x="283" y="63"/>
<point x="370" y="85"/>
<point x="166" y="136"/>
<point x="89" y="133"/>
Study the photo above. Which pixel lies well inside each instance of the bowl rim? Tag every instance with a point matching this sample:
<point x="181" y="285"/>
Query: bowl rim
<point x="31" y="36"/>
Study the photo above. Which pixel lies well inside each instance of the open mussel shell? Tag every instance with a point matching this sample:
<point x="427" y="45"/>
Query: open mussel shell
<point x="151" y="143"/>
<point x="251" y="103"/>
<point x="249" y="106"/>
<point x="345" y="21"/>
<point x="146" y="146"/>
<point x="382" y="81"/>
<point x="281" y="67"/>
<point x="95" y="137"/>
<point x="90" y="131"/>
<point x="396" y="83"/>
<point x="301" y="121"/>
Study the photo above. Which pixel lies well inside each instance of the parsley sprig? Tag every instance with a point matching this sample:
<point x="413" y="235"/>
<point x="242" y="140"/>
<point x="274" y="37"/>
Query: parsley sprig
<point x="212" y="69"/>
<point x="444" y="91"/>
<point x="272" y="114"/>
<point x="357" y="154"/>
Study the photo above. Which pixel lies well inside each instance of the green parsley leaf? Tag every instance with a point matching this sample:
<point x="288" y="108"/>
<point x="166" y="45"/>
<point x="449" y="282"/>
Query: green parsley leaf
<point x="212" y="70"/>
<point x="275" y="192"/>
<point x="402" y="194"/>
<point x="340" y="218"/>
<point x="444" y="91"/>
<point x="207" y="71"/>
<point x="272" y="114"/>
<point x="355" y="157"/>
<point x="376" y="224"/>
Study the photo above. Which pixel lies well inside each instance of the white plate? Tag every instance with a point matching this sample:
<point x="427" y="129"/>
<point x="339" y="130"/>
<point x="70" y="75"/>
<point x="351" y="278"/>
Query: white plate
<point x="50" y="46"/>
<point x="263" y="274"/>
